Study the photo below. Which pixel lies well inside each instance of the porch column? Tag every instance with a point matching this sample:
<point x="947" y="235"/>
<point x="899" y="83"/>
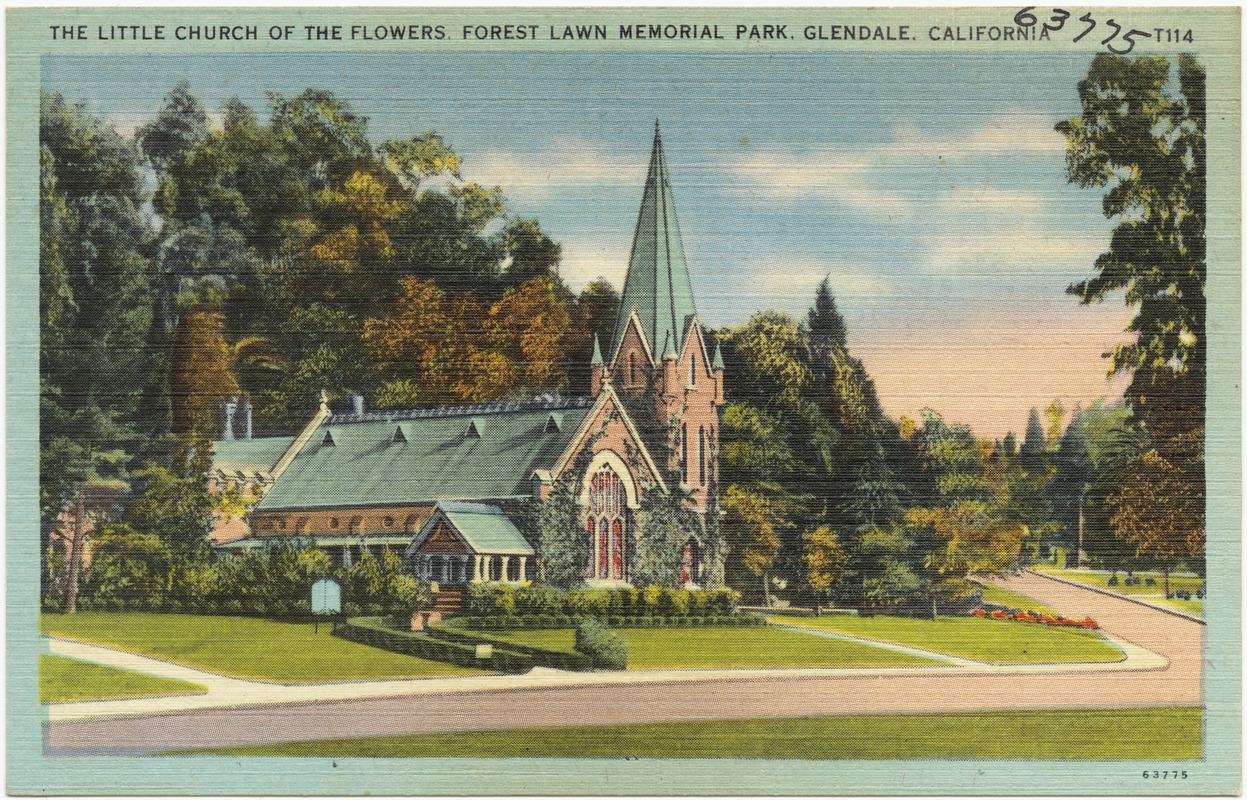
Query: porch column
<point x="506" y="561"/>
<point x="523" y="563"/>
<point x="476" y="568"/>
<point x="463" y="564"/>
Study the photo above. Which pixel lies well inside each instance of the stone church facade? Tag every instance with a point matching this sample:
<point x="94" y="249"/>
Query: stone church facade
<point x="451" y="487"/>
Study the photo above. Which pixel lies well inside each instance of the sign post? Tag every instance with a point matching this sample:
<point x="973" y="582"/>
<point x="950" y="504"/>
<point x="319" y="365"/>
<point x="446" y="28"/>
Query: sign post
<point x="326" y="599"/>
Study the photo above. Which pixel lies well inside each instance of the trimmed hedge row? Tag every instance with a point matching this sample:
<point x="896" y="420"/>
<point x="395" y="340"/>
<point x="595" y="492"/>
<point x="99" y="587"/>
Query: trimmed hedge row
<point x="547" y="621"/>
<point x="500" y="600"/>
<point x="378" y="632"/>
<point x="541" y="657"/>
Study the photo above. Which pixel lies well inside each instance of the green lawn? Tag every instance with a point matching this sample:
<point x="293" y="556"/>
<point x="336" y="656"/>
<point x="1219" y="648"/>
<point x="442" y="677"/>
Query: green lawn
<point x="69" y="679"/>
<point x="995" y="641"/>
<point x="1137" y="734"/>
<point x="1195" y="607"/>
<point x="994" y="594"/>
<point x="244" y="647"/>
<point x="701" y="648"/>
<point x="1100" y="579"/>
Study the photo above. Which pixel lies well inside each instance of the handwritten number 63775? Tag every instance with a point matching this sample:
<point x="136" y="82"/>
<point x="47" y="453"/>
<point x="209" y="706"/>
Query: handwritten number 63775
<point x="1056" y="22"/>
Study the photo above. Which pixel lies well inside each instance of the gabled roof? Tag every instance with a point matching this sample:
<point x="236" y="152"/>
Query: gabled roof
<point x="657" y="287"/>
<point x="483" y="528"/>
<point x="366" y="466"/>
<point x="257" y="453"/>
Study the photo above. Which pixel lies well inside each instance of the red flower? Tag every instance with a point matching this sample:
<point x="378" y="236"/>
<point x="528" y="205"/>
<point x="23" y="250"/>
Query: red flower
<point x="978" y="612"/>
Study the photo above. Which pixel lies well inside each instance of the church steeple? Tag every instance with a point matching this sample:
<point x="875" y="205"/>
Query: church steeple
<point x="657" y="287"/>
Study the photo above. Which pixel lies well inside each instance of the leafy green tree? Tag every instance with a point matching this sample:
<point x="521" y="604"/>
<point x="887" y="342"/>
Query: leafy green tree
<point x="180" y="126"/>
<point x="1141" y="135"/>
<point x="825" y="561"/>
<point x="1160" y="510"/>
<point x="96" y="358"/>
<point x="826" y="326"/>
<point x="533" y="254"/>
<point x="177" y="509"/>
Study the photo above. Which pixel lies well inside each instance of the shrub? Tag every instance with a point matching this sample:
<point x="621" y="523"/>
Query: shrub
<point x="538" y="599"/>
<point x="491" y="599"/>
<point x="591" y="602"/>
<point x="1199" y="593"/>
<point x="1112" y="580"/>
<point x="607" y="648"/>
<point x="650" y="599"/>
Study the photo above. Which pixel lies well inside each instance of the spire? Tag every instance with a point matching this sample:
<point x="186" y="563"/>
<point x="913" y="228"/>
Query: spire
<point x="597" y="353"/>
<point x="657" y="285"/>
<point x="717" y="363"/>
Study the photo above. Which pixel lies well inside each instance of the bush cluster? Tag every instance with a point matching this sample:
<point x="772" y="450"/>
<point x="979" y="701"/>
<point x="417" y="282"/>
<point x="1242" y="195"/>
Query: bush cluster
<point x="606" y="647"/>
<point x="505" y="600"/>
<point x="275" y="582"/>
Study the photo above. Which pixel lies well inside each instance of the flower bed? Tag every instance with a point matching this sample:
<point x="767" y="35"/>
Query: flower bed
<point x="1040" y="619"/>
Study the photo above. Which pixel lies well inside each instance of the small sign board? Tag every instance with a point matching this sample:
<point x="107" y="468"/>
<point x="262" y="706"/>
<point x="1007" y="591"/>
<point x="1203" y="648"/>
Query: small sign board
<point x="326" y="597"/>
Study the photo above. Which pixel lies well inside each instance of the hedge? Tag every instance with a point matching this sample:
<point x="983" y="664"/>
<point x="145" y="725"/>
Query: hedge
<point x="504" y="600"/>
<point x="541" y="657"/>
<point x="379" y="632"/>
<point x="550" y="621"/>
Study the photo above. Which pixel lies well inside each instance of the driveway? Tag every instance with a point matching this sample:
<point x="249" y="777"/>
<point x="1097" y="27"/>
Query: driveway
<point x="548" y="698"/>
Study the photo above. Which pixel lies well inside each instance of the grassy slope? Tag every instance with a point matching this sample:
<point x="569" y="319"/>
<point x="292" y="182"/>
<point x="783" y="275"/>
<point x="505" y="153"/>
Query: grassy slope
<point x="244" y="647"/>
<point x="994" y="594"/>
<point x="655" y="648"/>
<point x="1189" y="606"/>
<point x="996" y="641"/>
<point x="1160" y="734"/>
<point x="69" y="679"/>
<point x="1100" y="579"/>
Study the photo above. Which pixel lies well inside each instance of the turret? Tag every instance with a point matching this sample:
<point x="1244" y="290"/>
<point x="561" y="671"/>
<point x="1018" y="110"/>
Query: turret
<point x="716" y="366"/>
<point x="597" y="370"/>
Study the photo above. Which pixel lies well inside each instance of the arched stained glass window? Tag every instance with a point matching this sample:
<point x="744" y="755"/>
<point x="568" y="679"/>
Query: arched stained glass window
<point x="605" y="525"/>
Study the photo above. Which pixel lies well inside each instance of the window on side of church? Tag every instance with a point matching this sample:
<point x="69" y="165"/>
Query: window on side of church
<point x="701" y="456"/>
<point x="684" y="451"/>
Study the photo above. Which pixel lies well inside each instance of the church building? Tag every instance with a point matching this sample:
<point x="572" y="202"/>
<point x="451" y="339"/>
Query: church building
<point x="452" y="487"/>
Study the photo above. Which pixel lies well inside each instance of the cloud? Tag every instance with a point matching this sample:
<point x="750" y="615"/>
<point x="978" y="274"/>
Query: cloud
<point x="586" y="260"/>
<point x="564" y="163"/>
<point x="988" y="201"/>
<point x="859" y="178"/>
<point x="1011" y="132"/>
<point x="838" y="175"/>
<point x="1017" y="250"/>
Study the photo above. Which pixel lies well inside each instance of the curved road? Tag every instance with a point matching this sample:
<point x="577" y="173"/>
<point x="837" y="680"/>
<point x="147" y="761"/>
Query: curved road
<point x="1177" y="639"/>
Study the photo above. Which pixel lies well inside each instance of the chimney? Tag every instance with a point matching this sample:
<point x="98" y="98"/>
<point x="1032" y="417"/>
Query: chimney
<point x="357" y="403"/>
<point x="231" y="408"/>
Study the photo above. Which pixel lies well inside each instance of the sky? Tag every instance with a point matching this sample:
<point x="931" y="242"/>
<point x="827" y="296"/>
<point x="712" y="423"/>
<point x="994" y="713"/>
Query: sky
<point x="930" y="190"/>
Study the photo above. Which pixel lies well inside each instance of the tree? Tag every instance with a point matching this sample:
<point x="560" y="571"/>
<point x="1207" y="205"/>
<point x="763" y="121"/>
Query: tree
<point x="753" y="522"/>
<point x="96" y="499"/>
<point x="1160" y="509"/>
<point x="825" y="561"/>
<point x="1142" y="137"/>
<point x="177" y="509"/>
<point x="180" y="126"/>
<point x="533" y="254"/>
<point x="96" y="359"/>
<point x="826" y="326"/>
<point x="958" y="541"/>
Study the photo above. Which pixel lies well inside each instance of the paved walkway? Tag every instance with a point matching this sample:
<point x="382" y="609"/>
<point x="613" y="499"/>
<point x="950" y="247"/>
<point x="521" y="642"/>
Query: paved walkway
<point x="1162" y="666"/>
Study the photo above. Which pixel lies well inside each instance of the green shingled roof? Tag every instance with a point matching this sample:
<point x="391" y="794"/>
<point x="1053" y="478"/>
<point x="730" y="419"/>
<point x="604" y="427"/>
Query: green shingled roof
<point x="657" y="286"/>
<point x="486" y="528"/>
<point x="438" y="461"/>
<point x="249" y="452"/>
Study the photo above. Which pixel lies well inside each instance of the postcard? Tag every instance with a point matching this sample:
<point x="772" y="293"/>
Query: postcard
<point x="617" y="401"/>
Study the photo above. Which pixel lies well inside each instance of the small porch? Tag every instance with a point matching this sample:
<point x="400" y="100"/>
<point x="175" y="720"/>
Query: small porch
<point x="464" y="543"/>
